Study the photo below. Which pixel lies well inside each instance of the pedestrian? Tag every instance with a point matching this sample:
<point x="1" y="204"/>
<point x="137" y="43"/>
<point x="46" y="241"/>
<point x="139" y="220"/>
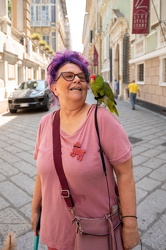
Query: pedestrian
<point x="133" y="90"/>
<point x="116" y="89"/>
<point x="68" y="77"/>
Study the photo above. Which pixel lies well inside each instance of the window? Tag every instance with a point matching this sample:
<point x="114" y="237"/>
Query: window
<point x="45" y="13"/>
<point x="154" y="12"/>
<point x="163" y="10"/>
<point x="126" y="51"/>
<point x="47" y="39"/>
<point x="91" y="36"/>
<point x="164" y="70"/>
<point x="158" y="12"/>
<point x="38" y="13"/>
<point x="32" y="14"/>
<point x="53" y="11"/>
<point x="105" y="48"/>
<point x="140" y="72"/>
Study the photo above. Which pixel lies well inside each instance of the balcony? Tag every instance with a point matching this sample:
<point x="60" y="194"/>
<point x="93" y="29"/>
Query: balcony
<point x="41" y="23"/>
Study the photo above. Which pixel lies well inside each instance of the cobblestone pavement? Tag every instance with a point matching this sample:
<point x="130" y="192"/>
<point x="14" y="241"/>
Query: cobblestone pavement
<point x="147" y="133"/>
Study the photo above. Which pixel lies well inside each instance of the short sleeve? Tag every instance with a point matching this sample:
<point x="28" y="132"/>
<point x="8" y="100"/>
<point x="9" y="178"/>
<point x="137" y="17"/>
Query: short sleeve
<point x="114" y="140"/>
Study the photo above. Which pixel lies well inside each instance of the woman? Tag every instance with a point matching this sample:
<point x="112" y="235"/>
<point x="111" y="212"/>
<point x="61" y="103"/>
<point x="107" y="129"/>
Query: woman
<point x="68" y="77"/>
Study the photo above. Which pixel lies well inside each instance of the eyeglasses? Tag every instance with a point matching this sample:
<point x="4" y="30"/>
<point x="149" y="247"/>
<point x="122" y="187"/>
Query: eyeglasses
<point x="69" y="76"/>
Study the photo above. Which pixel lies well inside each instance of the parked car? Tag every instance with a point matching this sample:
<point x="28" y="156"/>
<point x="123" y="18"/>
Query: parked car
<point x="29" y="95"/>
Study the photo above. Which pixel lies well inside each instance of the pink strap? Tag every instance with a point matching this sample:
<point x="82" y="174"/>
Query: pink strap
<point x="111" y="233"/>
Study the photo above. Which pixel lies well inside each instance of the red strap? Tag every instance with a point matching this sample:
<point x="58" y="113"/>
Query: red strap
<point x="58" y="160"/>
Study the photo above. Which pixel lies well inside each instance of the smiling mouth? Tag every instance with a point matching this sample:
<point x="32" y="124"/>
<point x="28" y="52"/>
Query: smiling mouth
<point x="79" y="89"/>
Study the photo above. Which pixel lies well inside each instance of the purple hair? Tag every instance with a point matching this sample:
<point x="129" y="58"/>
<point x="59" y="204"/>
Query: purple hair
<point x="60" y="59"/>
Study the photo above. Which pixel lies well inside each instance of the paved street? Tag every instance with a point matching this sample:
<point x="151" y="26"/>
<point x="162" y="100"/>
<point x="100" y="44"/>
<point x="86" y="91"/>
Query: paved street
<point x="147" y="133"/>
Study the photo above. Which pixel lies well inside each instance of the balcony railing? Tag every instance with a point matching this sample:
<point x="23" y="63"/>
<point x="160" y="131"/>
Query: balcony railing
<point x="41" y="23"/>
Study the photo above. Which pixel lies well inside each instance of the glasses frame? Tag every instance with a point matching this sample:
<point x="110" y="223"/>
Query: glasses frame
<point x="74" y="75"/>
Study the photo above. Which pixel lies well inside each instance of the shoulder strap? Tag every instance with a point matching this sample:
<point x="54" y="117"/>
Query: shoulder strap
<point x="58" y="160"/>
<point x="102" y="156"/>
<point x="101" y="151"/>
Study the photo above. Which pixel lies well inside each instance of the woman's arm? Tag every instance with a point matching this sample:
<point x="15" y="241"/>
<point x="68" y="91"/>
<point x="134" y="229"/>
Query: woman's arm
<point x="127" y="195"/>
<point x="36" y="202"/>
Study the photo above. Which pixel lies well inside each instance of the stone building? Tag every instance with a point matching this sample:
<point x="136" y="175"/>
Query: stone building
<point x="107" y="32"/>
<point x="148" y="59"/>
<point x="49" y="19"/>
<point x="124" y="56"/>
<point x="21" y="58"/>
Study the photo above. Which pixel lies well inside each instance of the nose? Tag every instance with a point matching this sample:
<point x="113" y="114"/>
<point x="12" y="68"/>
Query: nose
<point x="76" y="78"/>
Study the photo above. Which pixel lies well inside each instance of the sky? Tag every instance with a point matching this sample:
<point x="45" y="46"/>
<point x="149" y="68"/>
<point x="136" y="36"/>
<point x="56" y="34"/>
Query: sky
<point x="76" y="11"/>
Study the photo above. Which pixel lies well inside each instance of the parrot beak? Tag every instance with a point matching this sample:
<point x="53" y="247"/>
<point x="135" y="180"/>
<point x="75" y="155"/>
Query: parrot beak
<point x="92" y="78"/>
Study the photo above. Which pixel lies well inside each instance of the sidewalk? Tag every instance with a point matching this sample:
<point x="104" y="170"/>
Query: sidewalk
<point x="147" y="133"/>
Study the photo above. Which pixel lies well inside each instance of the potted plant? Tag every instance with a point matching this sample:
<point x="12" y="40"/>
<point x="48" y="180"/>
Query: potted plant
<point x="42" y="44"/>
<point x="50" y="51"/>
<point x="36" y="37"/>
<point x="47" y="48"/>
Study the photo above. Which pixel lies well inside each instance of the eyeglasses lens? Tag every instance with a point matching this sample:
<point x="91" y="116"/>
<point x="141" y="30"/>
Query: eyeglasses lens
<point x="69" y="76"/>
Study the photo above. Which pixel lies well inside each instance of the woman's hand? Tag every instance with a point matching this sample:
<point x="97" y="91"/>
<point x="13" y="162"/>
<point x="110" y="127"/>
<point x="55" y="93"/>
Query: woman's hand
<point x="35" y="219"/>
<point x="130" y="233"/>
<point x="36" y="203"/>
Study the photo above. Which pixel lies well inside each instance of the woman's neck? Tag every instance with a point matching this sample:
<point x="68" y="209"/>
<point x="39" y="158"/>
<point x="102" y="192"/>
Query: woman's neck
<point x="72" y="110"/>
<point x="71" y="119"/>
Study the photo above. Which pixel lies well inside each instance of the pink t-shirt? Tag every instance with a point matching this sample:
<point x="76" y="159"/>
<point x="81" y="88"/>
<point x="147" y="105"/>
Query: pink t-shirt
<point x="86" y="178"/>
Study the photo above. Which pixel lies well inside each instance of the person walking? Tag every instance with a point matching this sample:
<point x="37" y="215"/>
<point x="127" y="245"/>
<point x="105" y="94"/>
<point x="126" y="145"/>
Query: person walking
<point x="68" y="78"/>
<point x="116" y="89"/>
<point x="133" y="90"/>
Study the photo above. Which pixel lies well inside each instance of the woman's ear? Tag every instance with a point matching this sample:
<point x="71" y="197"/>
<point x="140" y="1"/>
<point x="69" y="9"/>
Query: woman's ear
<point x="54" y="90"/>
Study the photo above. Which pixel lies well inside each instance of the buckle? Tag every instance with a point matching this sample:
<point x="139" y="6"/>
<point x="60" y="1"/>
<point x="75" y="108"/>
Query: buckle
<point x="65" y="193"/>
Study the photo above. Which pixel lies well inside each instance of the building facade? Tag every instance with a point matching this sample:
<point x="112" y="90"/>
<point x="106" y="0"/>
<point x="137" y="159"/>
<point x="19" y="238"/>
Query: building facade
<point x="21" y="58"/>
<point x="148" y="59"/>
<point x="124" y="56"/>
<point x="49" y="19"/>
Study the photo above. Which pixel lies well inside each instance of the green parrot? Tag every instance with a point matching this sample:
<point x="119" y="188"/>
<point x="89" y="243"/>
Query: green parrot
<point x="103" y="92"/>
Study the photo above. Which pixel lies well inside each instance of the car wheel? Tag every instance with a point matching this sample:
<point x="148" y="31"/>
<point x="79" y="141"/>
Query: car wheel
<point x="47" y="106"/>
<point x="12" y="111"/>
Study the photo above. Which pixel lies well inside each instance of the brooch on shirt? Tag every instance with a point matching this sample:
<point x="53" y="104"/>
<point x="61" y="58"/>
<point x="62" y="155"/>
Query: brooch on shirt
<point x="78" y="151"/>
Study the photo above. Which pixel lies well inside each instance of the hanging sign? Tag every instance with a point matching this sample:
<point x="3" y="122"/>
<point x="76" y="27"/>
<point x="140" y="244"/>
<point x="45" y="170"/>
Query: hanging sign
<point x="140" y="16"/>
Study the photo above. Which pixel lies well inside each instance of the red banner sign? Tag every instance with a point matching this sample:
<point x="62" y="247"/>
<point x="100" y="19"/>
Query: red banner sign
<point x="95" y="57"/>
<point x="140" y="17"/>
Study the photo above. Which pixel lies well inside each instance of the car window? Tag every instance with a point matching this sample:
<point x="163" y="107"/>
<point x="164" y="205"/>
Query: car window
<point x="23" y="85"/>
<point x="38" y="85"/>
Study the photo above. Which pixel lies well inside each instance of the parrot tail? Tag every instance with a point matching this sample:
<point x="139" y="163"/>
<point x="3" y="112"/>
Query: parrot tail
<point x="111" y="106"/>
